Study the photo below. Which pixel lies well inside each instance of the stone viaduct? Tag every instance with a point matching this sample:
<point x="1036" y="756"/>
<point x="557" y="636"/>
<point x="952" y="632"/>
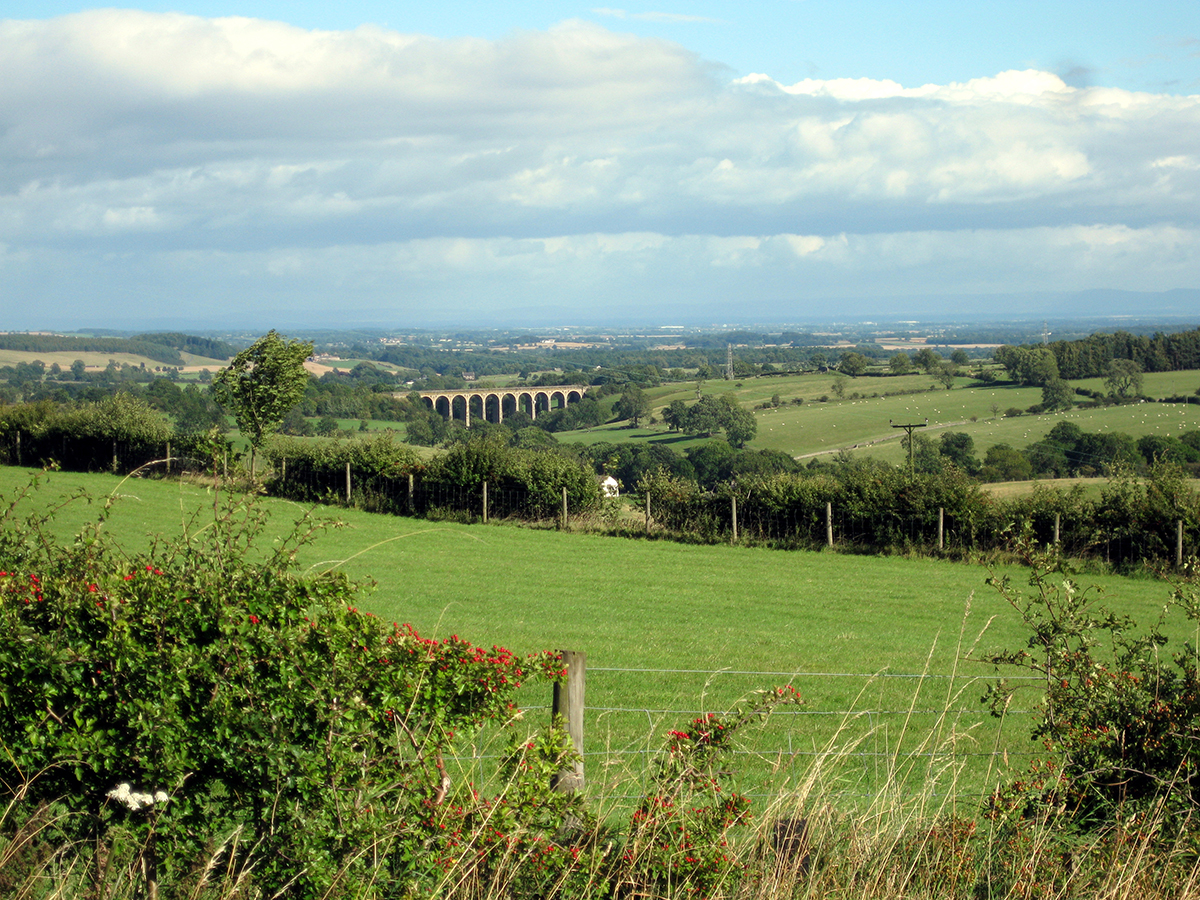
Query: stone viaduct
<point x="493" y="404"/>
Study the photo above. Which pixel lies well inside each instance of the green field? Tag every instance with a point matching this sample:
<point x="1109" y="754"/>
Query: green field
<point x="674" y="629"/>
<point x="864" y="425"/>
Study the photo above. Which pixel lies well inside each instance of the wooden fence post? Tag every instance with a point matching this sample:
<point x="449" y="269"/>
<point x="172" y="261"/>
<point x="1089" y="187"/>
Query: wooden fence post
<point x="564" y="508"/>
<point x="347" y="484"/>
<point x="19" y="447"/>
<point x="647" y="512"/>
<point x="1057" y="528"/>
<point x="1179" y="544"/>
<point x="410" y="493"/>
<point x="114" y="466"/>
<point x="941" y="528"/>
<point x="568" y="703"/>
<point x="168" y="457"/>
<point x="733" y="517"/>
<point x="485" y="503"/>
<point x="283" y="466"/>
<point x="829" y="523"/>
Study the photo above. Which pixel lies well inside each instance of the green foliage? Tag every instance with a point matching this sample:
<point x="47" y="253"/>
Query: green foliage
<point x="207" y="689"/>
<point x="679" y="841"/>
<point x="1119" y="719"/>
<point x="522" y="482"/>
<point x="263" y="383"/>
<point x="1057" y="394"/>
<point x="83" y="436"/>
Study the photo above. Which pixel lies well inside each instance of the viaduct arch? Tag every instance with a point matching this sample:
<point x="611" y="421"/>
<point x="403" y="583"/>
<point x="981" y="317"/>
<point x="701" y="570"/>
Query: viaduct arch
<point x="492" y="404"/>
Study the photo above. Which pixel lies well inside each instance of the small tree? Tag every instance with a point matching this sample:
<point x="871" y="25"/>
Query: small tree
<point x="1123" y="377"/>
<point x="262" y="384"/>
<point x="1057" y="394"/>
<point x="633" y="405"/>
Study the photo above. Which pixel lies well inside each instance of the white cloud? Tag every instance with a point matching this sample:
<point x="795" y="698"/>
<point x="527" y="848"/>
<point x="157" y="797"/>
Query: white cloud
<point x="565" y="155"/>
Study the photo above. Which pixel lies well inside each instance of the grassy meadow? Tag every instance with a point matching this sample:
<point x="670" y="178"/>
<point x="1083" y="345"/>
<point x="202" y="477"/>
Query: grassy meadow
<point x="878" y="646"/>
<point x="863" y="425"/>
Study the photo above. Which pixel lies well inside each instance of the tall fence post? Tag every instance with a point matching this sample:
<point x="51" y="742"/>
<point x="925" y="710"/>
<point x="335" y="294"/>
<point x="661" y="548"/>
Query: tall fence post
<point x="19" y="447"/>
<point x="1057" y="528"/>
<point x="941" y="528"/>
<point x="283" y="469"/>
<point x="829" y="523"/>
<point x="564" y="508"/>
<point x="168" y="457"/>
<point x="1179" y="544"/>
<point x="647" y="512"/>
<point x="485" y="503"/>
<point x="733" y="517"/>
<point x="347" y="484"/>
<point x="411" y="507"/>
<point x="568" y="703"/>
<point x="114" y="464"/>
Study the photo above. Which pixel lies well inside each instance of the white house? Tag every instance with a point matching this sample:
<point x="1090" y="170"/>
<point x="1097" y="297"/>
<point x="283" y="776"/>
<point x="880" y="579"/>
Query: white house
<point x="608" y="486"/>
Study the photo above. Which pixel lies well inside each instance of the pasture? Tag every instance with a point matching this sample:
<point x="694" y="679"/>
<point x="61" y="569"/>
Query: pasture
<point x="879" y="647"/>
<point x="863" y="426"/>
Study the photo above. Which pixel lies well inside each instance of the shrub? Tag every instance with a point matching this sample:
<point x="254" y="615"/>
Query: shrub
<point x="207" y="699"/>
<point x="1120" y="720"/>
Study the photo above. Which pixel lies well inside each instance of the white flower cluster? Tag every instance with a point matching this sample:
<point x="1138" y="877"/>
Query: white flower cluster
<point x="123" y="793"/>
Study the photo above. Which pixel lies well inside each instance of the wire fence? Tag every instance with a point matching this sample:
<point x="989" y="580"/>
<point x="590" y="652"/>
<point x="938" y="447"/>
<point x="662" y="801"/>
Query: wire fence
<point x="857" y="735"/>
<point x="889" y="523"/>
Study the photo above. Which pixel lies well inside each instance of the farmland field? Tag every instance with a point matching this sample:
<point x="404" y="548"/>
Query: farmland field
<point x="863" y="425"/>
<point x="673" y="629"/>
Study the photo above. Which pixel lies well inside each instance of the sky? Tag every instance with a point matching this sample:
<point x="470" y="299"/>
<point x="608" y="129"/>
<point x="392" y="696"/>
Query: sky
<point x="292" y="165"/>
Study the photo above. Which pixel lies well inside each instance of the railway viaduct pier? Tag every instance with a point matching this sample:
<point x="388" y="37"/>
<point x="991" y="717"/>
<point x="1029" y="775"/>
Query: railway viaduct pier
<point x="493" y="404"/>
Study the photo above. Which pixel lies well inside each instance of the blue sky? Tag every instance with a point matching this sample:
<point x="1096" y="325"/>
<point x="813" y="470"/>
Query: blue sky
<point x="534" y="163"/>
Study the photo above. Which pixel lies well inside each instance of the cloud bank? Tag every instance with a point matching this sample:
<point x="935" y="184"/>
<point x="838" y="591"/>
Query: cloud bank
<point x="169" y="167"/>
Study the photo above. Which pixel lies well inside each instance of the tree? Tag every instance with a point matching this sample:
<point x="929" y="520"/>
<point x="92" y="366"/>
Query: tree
<point x="739" y="423"/>
<point x="959" y="357"/>
<point x="1123" y="377"/>
<point x="958" y="447"/>
<point x="927" y="359"/>
<point x="900" y="364"/>
<point x="853" y="364"/>
<point x="945" y="374"/>
<point x="1003" y="463"/>
<point x="675" y="414"/>
<point x="262" y="384"/>
<point x="1057" y="394"/>
<point x="633" y="405"/>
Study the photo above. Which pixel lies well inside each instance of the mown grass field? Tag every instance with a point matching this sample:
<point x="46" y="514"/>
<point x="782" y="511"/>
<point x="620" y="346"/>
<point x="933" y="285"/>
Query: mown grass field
<point x="672" y="630"/>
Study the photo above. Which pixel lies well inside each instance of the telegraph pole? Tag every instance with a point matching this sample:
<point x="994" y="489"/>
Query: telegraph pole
<point x="908" y="429"/>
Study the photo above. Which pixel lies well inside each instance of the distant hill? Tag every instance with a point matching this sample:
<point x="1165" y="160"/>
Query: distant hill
<point x="163" y="348"/>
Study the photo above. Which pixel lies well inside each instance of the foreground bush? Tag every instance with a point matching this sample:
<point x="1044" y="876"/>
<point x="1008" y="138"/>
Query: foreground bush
<point x="209" y="702"/>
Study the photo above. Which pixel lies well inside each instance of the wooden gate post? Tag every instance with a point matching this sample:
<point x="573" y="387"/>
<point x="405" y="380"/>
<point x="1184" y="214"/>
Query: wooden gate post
<point x="568" y="703"/>
<point x="485" y="503"/>
<point x="829" y="523"/>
